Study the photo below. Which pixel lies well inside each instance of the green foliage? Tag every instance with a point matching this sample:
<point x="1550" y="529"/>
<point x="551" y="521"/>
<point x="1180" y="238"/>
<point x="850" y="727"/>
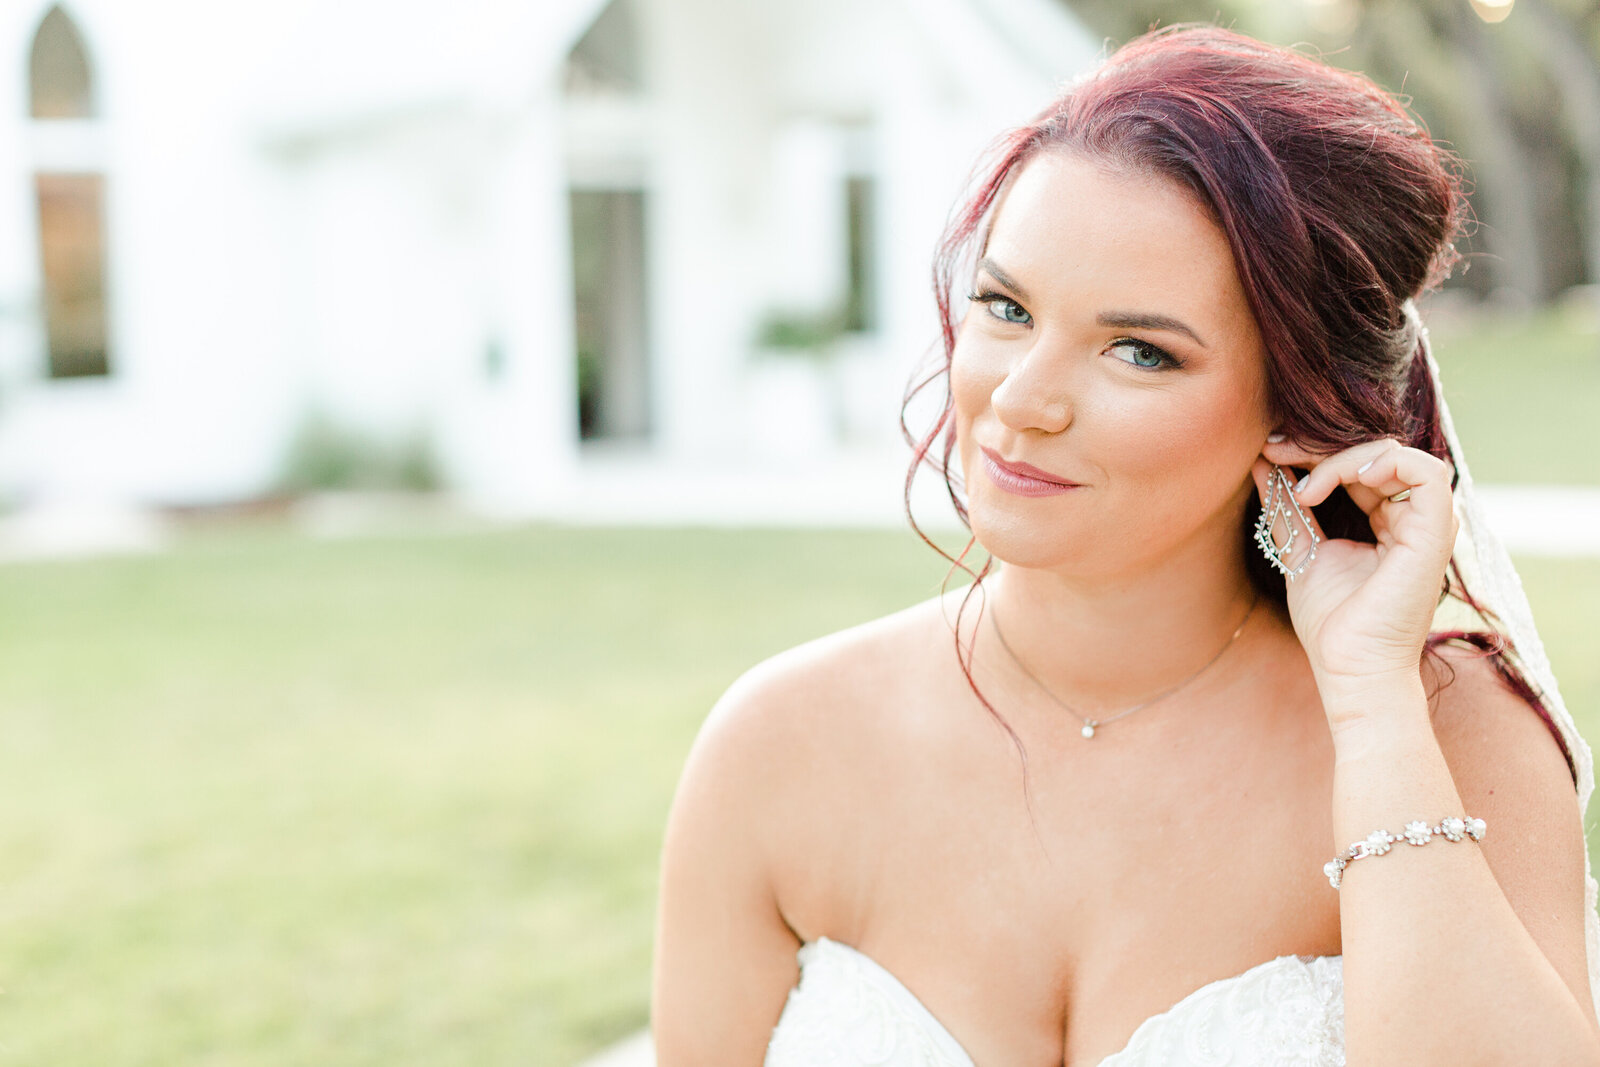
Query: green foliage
<point x="1510" y="98"/>
<point x="1121" y="21"/>
<point x="589" y="388"/>
<point x="802" y="333"/>
<point x="325" y="454"/>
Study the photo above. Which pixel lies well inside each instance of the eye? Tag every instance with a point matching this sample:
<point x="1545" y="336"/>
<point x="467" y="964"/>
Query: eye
<point x="1002" y="307"/>
<point x="1143" y="354"/>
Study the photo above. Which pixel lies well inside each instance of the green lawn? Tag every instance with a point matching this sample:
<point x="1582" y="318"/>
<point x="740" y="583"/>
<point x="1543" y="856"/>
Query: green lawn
<point x="395" y="801"/>
<point x="1525" y="393"/>
<point x="398" y="801"/>
<point x="271" y="801"/>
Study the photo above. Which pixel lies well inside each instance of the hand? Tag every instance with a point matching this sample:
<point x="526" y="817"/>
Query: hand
<point x="1363" y="611"/>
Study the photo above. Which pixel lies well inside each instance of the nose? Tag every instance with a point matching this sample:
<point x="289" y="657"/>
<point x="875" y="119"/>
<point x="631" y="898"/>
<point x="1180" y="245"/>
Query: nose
<point x="1034" y="394"/>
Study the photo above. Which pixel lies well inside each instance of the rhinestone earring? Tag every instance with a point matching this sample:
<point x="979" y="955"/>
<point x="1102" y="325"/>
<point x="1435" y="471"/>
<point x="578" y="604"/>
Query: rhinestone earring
<point x="1281" y="506"/>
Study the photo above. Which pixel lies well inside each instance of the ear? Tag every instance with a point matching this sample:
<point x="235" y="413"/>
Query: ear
<point x="1286" y="453"/>
<point x="1259" y="472"/>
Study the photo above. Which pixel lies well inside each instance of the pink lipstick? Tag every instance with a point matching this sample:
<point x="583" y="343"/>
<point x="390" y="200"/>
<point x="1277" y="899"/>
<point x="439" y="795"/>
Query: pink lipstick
<point x="1024" y="479"/>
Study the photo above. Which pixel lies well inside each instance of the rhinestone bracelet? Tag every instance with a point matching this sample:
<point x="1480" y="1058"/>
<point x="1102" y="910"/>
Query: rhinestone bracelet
<point x="1417" y="833"/>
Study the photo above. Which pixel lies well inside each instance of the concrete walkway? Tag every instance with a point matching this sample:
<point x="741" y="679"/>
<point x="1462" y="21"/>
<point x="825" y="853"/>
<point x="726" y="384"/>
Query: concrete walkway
<point x="1545" y="520"/>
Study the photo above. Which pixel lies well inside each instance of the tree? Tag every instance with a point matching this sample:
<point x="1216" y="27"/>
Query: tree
<point x="1533" y="168"/>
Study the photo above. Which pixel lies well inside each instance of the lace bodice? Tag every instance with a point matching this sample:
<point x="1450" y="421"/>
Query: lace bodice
<point x="847" y="1011"/>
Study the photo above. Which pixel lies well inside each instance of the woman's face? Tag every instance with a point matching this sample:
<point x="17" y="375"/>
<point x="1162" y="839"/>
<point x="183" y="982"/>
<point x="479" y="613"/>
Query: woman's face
<point x="1110" y="345"/>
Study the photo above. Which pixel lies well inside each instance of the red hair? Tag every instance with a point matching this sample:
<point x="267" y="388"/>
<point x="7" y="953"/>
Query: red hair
<point x="1338" y="208"/>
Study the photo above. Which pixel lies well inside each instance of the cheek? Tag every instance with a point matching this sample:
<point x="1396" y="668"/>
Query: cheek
<point x="1196" y="447"/>
<point x="973" y="379"/>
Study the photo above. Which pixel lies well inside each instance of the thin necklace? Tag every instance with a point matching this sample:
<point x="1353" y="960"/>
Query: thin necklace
<point x="1089" y="725"/>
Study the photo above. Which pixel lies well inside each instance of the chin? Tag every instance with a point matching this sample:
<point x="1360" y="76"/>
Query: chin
<point x="1029" y="541"/>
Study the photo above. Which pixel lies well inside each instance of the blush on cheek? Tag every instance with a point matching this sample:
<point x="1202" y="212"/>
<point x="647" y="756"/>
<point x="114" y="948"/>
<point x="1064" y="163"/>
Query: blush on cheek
<point x="969" y="390"/>
<point x="967" y="371"/>
<point x="1191" y="466"/>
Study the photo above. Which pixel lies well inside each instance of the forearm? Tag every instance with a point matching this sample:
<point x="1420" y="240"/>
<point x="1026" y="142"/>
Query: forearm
<point x="1438" y="968"/>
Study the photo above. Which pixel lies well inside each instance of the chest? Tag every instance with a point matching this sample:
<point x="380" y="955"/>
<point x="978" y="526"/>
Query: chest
<point x="1045" y="928"/>
<point x="848" y="1010"/>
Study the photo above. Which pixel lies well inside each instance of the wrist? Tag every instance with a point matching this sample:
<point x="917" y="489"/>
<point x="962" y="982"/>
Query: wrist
<point x="1357" y="694"/>
<point x="1404" y="738"/>
<point x="1379" y="684"/>
<point x="1376" y="715"/>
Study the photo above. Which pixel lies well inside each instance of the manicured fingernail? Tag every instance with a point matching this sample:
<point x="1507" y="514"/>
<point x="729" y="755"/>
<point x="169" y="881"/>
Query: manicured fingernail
<point x="1301" y="484"/>
<point x="1274" y="438"/>
<point x="1363" y="468"/>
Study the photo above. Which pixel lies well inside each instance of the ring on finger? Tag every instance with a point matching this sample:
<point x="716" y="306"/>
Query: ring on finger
<point x="1404" y="494"/>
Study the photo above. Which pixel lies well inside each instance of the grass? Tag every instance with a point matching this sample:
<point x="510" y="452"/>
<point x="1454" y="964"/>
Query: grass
<point x="400" y="801"/>
<point x="1524" y="390"/>
<point x="370" y="803"/>
<point x="397" y="801"/>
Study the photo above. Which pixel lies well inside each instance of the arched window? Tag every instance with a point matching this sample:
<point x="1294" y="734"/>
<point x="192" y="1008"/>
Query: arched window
<point x="606" y="58"/>
<point x="58" y="70"/>
<point x="609" y="209"/>
<point x="69" y="183"/>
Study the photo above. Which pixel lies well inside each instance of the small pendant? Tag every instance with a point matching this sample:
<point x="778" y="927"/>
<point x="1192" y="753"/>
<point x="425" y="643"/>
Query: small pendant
<point x="1088" y="727"/>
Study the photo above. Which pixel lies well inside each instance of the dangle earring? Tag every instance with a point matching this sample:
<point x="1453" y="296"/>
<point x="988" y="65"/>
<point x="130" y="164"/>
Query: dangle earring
<point x="1274" y="510"/>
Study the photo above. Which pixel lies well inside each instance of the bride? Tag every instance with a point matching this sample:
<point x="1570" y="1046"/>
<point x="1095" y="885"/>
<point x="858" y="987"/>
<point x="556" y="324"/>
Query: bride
<point x="1096" y="806"/>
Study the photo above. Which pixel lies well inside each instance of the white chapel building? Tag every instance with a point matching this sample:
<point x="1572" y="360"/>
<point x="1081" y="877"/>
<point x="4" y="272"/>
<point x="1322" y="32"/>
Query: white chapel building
<point x="536" y="235"/>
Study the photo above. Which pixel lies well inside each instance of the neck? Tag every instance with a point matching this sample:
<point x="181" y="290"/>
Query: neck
<point x="1105" y="644"/>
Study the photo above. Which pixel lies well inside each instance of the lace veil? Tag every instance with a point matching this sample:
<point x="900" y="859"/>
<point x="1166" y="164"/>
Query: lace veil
<point x="1488" y="568"/>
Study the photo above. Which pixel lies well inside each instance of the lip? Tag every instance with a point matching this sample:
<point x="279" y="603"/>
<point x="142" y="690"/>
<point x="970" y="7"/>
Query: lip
<point x="1023" y="479"/>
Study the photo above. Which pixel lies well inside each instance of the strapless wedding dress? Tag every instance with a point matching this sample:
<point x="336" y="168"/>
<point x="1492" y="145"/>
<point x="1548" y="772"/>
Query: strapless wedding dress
<point x="848" y="1011"/>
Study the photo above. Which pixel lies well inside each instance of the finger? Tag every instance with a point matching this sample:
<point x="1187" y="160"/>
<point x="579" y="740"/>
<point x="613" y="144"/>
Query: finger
<point x="1287" y="452"/>
<point x="1280" y="449"/>
<point x="1339" y="468"/>
<point x="1367" y="499"/>
<point x="1373" y="473"/>
<point x="1384" y="468"/>
<point x="1381" y="520"/>
<point x="1431" y="499"/>
<point x="1290" y="454"/>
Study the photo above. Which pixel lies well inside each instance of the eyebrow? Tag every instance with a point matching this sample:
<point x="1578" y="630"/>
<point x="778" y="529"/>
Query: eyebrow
<point x="1122" y="320"/>
<point x="1146" y="320"/>
<point x="993" y="268"/>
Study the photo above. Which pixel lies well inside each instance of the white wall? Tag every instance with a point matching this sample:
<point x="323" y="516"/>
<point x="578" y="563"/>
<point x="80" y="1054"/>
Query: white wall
<point x="756" y="107"/>
<point x="298" y="214"/>
<point x="343" y="204"/>
<point x="189" y="366"/>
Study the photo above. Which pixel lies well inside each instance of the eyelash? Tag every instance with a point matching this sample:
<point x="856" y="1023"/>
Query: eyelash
<point x="1168" y="360"/>
<point x="990" y="297"/>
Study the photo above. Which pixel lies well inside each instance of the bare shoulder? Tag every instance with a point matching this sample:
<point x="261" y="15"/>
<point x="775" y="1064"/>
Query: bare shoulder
<point x="805" y="751"/>
<point x="804" y="718"/>
<point x="1512" y="772"/>
<point x="799" y="726"/>
<point x="773" y="776"/>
